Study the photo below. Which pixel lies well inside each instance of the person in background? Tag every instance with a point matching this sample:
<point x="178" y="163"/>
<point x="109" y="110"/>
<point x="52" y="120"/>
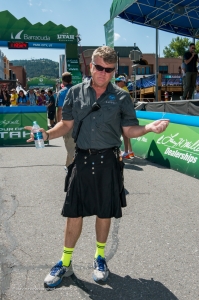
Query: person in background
<point x="190" y="59"/>
<point x="22" y="100"/>
<point x="32" y="97"/>
<point x="128" y="151"/>
<point x="14" y="97"/>
<point x="51" y="108"/>
<point x="41" y="100"/>
<point x="4" y="96"/>
<point x="47" y="97"/>
<point x="183" y="73"/>
<point x="68" y="140"/>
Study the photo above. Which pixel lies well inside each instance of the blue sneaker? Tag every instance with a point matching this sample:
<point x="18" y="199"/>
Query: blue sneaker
<point x="101" y="270"/>
<point x="56" y="274"/>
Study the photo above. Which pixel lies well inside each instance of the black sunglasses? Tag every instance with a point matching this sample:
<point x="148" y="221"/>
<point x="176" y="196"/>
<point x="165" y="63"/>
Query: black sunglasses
<point x="100" y="68"/>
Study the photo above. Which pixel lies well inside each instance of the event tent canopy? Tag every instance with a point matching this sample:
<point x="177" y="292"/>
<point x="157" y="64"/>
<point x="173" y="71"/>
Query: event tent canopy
<point x="175" y="16"/>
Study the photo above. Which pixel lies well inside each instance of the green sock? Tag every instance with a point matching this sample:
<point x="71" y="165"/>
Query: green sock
<point x="100" y="249"/>
<point x="66" y="256"/>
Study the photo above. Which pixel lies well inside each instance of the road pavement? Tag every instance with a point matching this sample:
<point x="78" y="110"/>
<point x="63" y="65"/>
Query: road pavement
<point x="152" y="251"/>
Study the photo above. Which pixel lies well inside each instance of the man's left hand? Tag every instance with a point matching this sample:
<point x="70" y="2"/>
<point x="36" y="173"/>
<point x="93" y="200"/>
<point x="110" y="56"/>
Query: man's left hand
<point x="158" y="126"/>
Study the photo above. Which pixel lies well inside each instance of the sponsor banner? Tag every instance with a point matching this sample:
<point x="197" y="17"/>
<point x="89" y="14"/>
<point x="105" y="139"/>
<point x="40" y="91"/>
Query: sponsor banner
<point x="77" y="77"/>
<point x="13" y="120"/>
<point x="41" y="83"/>
<point x="109" y="33"/>
<point x="176" y="148"/>
<point x="12" y="29"/>
<point x="109" y="36"/>
<point x="73" y="65"/>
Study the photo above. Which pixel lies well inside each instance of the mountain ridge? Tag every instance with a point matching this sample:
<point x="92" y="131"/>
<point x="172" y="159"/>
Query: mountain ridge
<point x="38" y="67"/>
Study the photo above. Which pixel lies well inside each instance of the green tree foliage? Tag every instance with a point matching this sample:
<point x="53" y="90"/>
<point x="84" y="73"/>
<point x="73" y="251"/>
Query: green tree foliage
<point x="39" y="67"/>
<point x="178" y="46"/>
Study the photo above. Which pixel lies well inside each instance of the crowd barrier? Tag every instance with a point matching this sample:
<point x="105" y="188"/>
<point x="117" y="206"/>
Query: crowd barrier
<point x="176" y="148"/>
<point x="13" y="119"/>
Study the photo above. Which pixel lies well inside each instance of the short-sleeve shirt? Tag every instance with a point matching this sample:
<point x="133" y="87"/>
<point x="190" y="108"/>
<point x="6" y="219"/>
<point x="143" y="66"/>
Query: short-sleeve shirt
<point x="191" y="66"/>
<point x="21" y="101"/>
<point x="62" y="95"/>
<point x="103" y="128"/>
<point x="51" y="100"/>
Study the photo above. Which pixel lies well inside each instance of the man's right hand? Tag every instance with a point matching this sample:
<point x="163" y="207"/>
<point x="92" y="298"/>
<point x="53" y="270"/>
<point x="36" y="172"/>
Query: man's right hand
<point x="31" y="139"/>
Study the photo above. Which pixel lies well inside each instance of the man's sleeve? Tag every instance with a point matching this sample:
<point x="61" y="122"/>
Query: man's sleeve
<point x="68" y="106"/>
<point x="128" y="112"/>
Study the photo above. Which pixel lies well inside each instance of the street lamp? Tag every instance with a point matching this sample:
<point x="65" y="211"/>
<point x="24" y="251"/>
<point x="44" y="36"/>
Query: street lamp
<point x="134" y="80"/>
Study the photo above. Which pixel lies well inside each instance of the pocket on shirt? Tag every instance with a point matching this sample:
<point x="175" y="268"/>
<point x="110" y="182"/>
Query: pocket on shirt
<point x="111" y="114"/>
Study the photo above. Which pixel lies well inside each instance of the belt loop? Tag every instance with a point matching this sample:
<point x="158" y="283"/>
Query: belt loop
<point x="89" y="150"/>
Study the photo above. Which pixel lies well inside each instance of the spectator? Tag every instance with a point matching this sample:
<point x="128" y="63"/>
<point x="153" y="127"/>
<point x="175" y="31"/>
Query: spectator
<point x="32" y="97"/>
<point x="14" y="97"/>
<point x="128" y="151"/>
<point x="4" y="96"/>
<point x="51" y="108"/>
<point x="22" y="99"/>
<point x="183" y="73"/>
<point x="190" y="59"/>
<point x="68" y="140"/>
<point x="41" y="100"/>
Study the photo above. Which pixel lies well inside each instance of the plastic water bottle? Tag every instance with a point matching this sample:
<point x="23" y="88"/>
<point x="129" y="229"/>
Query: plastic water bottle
<point x="38" y="137"/>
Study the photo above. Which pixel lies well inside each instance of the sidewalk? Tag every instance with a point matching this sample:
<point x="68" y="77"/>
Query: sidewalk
<point x="152" y="252"/>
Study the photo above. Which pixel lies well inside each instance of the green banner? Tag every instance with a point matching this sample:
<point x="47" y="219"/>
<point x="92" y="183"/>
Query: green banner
<point x="12" y="130"/>
<point x="72" y="61"/>
<point x="41" y="83"/>
<point x="12" y="29"/>
<point x="176" y="148"/>
<point x="109" y="33"/>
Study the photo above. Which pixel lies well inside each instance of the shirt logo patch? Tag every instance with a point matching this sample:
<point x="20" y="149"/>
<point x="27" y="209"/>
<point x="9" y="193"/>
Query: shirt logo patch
<point x="112" y="97"/>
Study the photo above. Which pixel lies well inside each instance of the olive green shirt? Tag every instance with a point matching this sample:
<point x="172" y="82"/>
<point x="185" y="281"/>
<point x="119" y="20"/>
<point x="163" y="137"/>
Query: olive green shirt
<point x="103" y="128"/>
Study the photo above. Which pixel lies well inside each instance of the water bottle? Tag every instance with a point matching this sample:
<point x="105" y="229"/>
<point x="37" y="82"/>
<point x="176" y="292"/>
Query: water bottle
<point x="38" y="137"/>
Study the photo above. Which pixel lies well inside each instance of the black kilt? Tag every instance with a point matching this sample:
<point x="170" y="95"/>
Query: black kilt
<point x="94" y="185"/>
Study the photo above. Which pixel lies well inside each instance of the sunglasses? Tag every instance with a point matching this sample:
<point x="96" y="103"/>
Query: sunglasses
<point x="193" y="48"/>
<point x="100" y="68"/>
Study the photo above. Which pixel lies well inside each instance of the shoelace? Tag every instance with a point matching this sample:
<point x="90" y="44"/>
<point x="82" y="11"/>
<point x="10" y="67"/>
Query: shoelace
<point x="101" y="264"/>
<point x="55" y="269"/>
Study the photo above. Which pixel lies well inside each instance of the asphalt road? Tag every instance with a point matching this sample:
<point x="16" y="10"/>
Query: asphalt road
<point x="152" y="251"/>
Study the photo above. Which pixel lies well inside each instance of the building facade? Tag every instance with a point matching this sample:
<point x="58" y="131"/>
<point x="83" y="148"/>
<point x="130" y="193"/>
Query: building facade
<point x="20" y="74"/>
<point x="1" y="65"/>
<point x="125" y="65"/>
<point x="6" y="68"/>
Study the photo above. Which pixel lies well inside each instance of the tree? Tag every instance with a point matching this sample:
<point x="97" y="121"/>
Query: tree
<point x="178" y="46"/>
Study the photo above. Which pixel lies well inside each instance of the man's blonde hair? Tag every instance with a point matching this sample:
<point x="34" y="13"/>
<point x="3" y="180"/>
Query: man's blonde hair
<point x="108" y="54"/>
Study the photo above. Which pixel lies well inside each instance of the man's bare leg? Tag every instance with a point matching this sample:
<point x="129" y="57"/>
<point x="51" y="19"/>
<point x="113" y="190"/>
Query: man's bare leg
<point x="64" y="267"/>
<point x="102" y="227"/>
<point x="73" y="230"/>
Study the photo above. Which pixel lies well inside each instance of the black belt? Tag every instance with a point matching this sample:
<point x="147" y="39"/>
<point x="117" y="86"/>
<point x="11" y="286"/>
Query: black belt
<point x="94" y="151"/>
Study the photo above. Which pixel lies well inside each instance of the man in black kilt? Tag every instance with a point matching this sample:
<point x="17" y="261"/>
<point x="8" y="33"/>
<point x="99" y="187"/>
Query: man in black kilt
<point x="98" y="111"/>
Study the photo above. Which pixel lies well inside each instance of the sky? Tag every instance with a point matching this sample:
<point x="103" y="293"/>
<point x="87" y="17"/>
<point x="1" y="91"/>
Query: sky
<point x="89" y="17"/>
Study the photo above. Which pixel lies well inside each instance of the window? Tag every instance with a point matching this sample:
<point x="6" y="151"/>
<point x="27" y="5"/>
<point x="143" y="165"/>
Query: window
<point x="143" y="71"/>
<point x="138" y="71"/>
<point x="148" y="71"/>
<point x="124" y="69"/>
<point x="163" y="69"/>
